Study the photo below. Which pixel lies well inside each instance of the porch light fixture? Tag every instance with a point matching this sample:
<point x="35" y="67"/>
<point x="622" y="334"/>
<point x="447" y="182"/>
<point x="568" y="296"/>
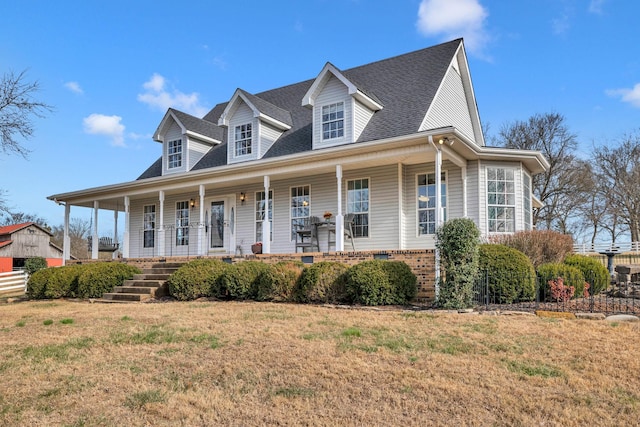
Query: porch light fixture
<point x="192" y="203"/>
<point x="441" y="141"/>
<point x="243" y="197"/>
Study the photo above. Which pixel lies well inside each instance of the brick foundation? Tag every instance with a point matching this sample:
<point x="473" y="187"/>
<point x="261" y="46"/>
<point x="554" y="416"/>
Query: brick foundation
<point x="421" y="262"/>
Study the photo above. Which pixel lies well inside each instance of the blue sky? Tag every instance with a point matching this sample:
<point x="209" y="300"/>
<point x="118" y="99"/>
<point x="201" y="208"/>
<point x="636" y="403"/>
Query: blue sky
<point x="111" y="69"/>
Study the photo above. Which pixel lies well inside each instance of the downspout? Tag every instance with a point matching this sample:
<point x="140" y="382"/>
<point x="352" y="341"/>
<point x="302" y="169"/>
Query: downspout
<point x="438" y="211"/>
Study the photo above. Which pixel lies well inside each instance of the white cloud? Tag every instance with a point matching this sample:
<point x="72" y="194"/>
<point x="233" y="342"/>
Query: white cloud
<point x="632" y="96"/>
<point x="595" y="6"/>
<point x="136" y="136"/>
<point x="157" y="96"/>
<point x="74" y="87"/>
<point x="562" y="24"/>
<point x="111" y="126"/>
<point x="455" y="18"/>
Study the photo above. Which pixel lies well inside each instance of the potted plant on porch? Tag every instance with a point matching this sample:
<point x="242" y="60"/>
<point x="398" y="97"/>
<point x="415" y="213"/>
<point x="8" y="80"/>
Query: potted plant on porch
<point x="256" y="248"/>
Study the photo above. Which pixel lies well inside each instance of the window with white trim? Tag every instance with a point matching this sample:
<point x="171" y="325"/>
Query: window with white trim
<point x="526" y="195"/>
<point x="149" y="226"/>
<point x="501" y="200"/>
<point x="260" y="214"/>
<point x="243" y="140"/>
<point x="300" y="207"/>
<point x="333" y="121"/>
<point x="174" y="154"/>
<point x="358" y="204"/>
<point x="426" y="201"/>
<point x="182" y="223"/>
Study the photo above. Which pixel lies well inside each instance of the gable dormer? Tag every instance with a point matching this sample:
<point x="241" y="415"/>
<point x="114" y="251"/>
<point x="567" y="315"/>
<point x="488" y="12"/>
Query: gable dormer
<point x="253" y="125"/>
<point x="341" y="108"/>
<point x="185" y="140"/>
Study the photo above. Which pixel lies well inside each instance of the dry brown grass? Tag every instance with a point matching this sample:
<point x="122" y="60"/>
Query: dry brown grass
<point x="217" y="363"/>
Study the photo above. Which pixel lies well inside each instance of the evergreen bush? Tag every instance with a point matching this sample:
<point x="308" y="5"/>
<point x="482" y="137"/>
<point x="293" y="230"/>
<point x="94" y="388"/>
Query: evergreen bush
<point x="240" y="280"/>
<point x="37" y="283"/>
<point x="594" y="272"/>
<point x="457" y="241"/>
<point x="31" y="265"/>
<point x="63" y="281"/>
<point x="279" y="282"/>
<point x="571" y="276"/>
<point x="197" y="278"/>
<point x="378" y="282"/>
<point x="323" y="282"/>
<point x="509" y="273"/>
<point x="101" y="277"/>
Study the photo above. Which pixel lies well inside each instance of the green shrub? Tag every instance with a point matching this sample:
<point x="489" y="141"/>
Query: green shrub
<point x="457" y="240"/>
<point x="99" y="278"/>
<point x="510" y="274"/>
<point x="279" y="282"/>
<point x="63" y="282"/>
<point x="378" y="282"/>
<point x="197" y="278"/>
<point x="37" y="284"/>
<point x="31" y="265"/>
<point x="324" y="282"/>
<point x="571" y="276"/>
<point x="594" y="272"/>
<point x="240" y="280"/>
<point x="541" y="246"/>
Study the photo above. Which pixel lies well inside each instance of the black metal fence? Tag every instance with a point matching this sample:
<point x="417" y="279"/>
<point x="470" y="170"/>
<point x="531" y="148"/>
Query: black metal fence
<point x="517" y="292"/>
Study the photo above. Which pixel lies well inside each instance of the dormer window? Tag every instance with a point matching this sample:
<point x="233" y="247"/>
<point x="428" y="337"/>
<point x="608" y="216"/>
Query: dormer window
<point x="174" y="153"/>
<point x="333" y="121"/>
<point x="243" y="140"/>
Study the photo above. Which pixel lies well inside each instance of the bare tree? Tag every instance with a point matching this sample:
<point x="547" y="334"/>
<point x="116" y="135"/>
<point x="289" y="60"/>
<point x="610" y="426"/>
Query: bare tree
<point x="618" y="172"/>
<point x="11" y="218"/>
<point x="549" y="134"/>
<point x="79" y="230"/>
<point x="18" y="109"/>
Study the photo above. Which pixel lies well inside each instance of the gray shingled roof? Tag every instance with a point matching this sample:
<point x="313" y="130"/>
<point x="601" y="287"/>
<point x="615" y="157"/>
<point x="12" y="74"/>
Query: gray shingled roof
<point x="268" y="109"/>
<point x="199" y="126"/>
<point x="406" y="85"/>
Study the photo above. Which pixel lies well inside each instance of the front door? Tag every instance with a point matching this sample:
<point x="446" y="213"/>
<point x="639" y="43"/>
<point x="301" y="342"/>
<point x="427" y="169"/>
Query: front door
<point x="221" y="226"/>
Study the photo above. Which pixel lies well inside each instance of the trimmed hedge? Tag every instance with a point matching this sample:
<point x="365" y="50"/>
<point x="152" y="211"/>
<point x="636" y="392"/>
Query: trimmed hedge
<point x="572" y="276"/>
<point x="240" y="281"/>
<point x="55" y="282"/>
<point x="510" y="273"/>
<point x="594" y="272"/>
<point x="279" y="282"/>
<point x="324" y="282"/>
<point x="37" y="284"/>
<point x="31" y="265"/>
<point x="197" y="278"/>
<point x="378" y="282"/>
<point x="99" y="278"/>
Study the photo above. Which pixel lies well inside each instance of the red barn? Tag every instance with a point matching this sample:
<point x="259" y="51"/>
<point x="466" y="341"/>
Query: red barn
<point x="19" y="242"/>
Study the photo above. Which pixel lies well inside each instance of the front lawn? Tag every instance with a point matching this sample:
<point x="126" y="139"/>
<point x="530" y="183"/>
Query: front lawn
<point x="232" y="363"/>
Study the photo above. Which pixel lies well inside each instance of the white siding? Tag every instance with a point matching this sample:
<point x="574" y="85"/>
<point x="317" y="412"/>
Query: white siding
<point x="474" y="194"/>
<point x="334" y="91"/>
<point x="197" y="150"/>
<point x="361" y="117"/>
<point x="449" y="108"/>
<point x="268" y="135"/>
<point x="241" y="116"/>
<point x="174" y="132"/>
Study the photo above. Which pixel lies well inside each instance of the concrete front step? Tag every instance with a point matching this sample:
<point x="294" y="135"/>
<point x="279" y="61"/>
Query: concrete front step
<point x="151" y="276"/>
<point x="125" y="297"/>
<point x="167" y="271"/>
<point x="144" y="283"/>
<point x="134" y="290"/>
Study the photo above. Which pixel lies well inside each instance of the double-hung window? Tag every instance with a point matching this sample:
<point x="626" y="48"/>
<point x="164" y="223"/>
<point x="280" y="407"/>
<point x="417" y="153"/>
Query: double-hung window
<point x="300" y="207"/>
<point x="426" y="189"/>
<point x="243" y="140"/>
<point x="174" y="154"/>
<point x="501" y="200"/>
<point x="358" y="204"/>
<point x="333" y="121"/>
<point x="260" y="214"/>
<point x="149" y="226"/>
<point x="182" y="223"/>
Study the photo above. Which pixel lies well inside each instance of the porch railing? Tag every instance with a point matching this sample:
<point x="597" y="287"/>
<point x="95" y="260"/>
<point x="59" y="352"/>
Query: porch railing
<point x="619" y="247"/>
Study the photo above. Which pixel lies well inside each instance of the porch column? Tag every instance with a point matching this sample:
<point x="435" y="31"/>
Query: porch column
<point x="201" y="237"/>
<point x="94" y="240"/>
<point x="339" y="216"/>
<point x="266" y="225"/>
<point x="127" y="226"/>
<point x="161" y="225"/>
<point x="66" y="241"/>
<point x="114" y="254"/>
<point x="438" y="216"/>
<point x="464" y="191"/>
